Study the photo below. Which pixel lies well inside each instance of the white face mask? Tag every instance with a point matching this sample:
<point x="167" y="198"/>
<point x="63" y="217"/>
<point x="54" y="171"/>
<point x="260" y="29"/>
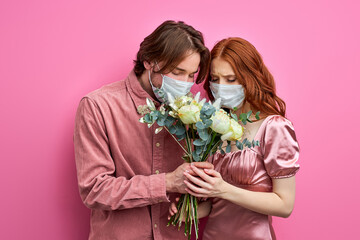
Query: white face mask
<point x="175" y="87"/>
<point x="231" y="95"/>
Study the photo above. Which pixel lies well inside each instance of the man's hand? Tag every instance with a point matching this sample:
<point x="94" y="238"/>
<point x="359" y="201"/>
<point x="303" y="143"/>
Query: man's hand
<point x="175" y="180"/>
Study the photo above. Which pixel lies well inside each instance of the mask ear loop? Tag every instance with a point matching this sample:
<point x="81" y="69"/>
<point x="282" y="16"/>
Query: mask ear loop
<point x="155" y="89"/>
<point x="159" y="70"/>
<point x="150" y="80"/>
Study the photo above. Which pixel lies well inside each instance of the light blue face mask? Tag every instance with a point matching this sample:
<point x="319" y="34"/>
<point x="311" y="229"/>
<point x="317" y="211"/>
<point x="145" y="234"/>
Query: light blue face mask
<point x="231" y="95"/>
<point x="175" y="87"/>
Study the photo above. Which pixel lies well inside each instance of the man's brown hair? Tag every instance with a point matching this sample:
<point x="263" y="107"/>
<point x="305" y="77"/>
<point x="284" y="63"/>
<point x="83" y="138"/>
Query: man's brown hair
<point x="170" y="43"/>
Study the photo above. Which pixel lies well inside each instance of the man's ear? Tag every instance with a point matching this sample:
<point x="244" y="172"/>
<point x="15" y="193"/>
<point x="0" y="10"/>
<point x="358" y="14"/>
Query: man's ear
<point x="147" y="65"/>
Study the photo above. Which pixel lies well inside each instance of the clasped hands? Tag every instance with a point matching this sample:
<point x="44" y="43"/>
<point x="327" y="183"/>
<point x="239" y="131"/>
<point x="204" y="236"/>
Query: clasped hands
<point x="201" y="180"/>
<point x="198" y="178"/>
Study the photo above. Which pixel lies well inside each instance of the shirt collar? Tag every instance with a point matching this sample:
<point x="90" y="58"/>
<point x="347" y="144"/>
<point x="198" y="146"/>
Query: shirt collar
<point x="137" y="93"/>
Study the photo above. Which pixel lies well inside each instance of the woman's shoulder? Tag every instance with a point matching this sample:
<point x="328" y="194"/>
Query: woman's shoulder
<point x="280" y="147"/>
<point x="276" y="126"/>
<point x="277" y="120"/>
<point x="274" y="122"/>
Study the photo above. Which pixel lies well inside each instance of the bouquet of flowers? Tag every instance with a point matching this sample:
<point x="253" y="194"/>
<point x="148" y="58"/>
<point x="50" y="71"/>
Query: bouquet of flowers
<point x="200" y="128"/>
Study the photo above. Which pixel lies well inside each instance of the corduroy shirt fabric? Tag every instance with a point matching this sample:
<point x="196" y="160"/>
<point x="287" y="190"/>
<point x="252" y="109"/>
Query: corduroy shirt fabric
<point x="121" y="165"/>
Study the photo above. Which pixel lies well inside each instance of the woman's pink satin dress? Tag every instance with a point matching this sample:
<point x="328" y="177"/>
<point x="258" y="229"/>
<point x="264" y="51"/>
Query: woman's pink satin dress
<point x="253" y="169"/>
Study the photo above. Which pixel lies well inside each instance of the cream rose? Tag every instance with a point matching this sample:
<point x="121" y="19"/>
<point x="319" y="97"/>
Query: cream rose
<point x="220" y="122"/>
<point x="189" y="114"/>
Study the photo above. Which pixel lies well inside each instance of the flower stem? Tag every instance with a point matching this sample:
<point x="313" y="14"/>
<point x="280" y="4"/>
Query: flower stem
<point x="176" y="140"/>
<point x="210" y="148"/>
<point x="188" y="142"/>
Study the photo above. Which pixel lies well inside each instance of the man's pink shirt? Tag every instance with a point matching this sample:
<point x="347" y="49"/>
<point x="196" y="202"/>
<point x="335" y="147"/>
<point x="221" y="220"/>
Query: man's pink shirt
<point x="121" y="165"/>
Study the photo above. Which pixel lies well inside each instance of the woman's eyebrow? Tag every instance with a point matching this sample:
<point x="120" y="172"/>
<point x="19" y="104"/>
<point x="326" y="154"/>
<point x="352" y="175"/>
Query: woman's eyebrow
<point x="229" y="75"/>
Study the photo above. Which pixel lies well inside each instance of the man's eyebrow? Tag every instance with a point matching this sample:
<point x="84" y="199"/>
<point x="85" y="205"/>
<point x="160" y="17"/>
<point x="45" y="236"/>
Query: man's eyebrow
<point x="183" y="70"/>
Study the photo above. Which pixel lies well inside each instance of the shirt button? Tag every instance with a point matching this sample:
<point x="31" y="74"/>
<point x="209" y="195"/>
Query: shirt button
<point x="157" y="144"/>
<point x="155" y="225"/>
<point x="157" y="171"/>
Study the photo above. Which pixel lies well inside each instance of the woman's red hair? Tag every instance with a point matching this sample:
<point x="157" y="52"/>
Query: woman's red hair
<point x="254" y="76"/>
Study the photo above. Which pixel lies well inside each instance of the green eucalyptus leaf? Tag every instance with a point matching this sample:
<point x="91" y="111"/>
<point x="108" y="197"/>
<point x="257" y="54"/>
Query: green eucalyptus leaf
<point x="248" y="114"/>
<point x="207" y="110"/>
<point x="243" y="116"/>
<point x="180" y="129"/>
<point x="161" y="121"/>
<point x="169" y="121"/>
<point x="154" y="115"/>
<point x="196" y="157"/>
<point x="257" y="115"/>
<point x="239" y="145"/>
<point x="147" y="118"/>
<point x="203" y="117"/>
<point x="181" y="137"/>
<point x="228" y="148"/>
<point x="207" y="123"/>
<point x="198" y="150"/>
<point x="172" y="129"/>
<point x="234" y="116"/>
<point x="220" y="145"/>
<point x="199" y="142"/>
<point x="204" y="135"/>
<point x="200" y="125"/>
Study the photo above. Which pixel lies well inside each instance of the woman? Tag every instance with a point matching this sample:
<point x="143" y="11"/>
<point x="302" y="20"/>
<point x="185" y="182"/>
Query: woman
<point x="247" y="187"/>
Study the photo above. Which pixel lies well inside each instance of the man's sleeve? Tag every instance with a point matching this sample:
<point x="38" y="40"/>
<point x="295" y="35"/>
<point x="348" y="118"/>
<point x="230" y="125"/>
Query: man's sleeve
<point x="98" y="186"/>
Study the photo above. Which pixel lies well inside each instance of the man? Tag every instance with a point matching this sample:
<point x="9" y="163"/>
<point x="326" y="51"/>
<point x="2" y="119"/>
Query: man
<point x="127" y="174"/>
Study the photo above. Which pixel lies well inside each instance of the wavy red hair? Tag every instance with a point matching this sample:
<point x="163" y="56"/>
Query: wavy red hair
<point x="249" y="68"/>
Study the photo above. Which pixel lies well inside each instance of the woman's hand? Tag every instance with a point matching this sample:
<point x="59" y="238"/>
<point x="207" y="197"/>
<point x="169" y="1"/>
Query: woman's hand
<point x="209" y="183"/>
<point x="173" y="209"/>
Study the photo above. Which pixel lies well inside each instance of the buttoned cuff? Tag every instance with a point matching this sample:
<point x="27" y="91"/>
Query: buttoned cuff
<point x="158" y="188"/>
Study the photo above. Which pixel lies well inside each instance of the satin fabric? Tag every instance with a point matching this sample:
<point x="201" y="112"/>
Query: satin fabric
<point x="253" y="169"/>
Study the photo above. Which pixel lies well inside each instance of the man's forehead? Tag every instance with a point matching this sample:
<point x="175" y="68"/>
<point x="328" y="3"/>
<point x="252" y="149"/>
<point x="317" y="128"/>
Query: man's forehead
<point x="190" y="69"/>
<point x="190" y="63"/>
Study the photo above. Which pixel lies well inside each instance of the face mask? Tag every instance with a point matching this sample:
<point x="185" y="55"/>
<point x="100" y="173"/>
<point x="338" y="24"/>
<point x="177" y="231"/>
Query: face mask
<point x="231" y="95"/>
<point x="175" y="87"/>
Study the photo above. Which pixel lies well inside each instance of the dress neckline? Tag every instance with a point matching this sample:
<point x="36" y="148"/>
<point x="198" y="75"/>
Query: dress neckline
<point x="262" y="125"/>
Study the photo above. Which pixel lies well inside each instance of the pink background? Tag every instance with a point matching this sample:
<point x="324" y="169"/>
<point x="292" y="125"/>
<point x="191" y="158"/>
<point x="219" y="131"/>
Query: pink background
<point x="54" y="52"/>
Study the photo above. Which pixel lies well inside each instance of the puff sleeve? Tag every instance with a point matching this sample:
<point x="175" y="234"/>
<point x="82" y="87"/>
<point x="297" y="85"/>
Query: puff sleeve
<point x="280" y="148"/>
